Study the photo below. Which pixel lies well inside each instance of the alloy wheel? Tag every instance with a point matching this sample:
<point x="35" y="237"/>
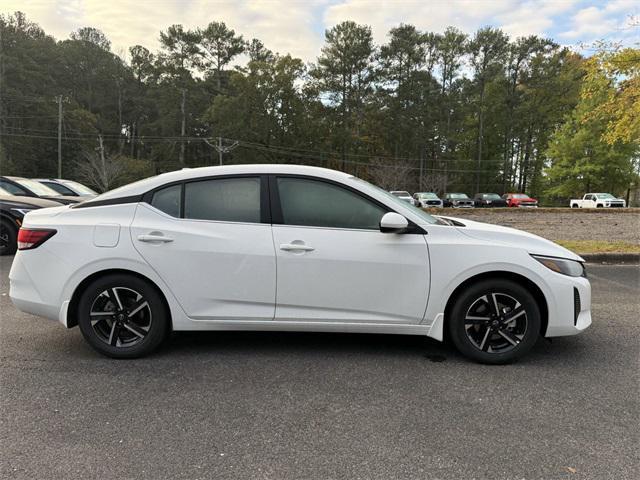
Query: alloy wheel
<point x="496" y="323"/>
<point x="120" y="317"/>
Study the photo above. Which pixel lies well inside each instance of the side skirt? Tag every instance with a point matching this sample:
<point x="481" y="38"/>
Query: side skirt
<point x="291" y="326"/>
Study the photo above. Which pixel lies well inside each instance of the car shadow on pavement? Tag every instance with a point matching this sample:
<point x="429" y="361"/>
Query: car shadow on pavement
<point x="294" y="343"/>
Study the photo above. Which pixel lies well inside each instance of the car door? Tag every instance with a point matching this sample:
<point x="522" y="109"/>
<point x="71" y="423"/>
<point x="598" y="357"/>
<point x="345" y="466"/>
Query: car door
<point x="210" y="240"/>
<point x="334" y="264"/>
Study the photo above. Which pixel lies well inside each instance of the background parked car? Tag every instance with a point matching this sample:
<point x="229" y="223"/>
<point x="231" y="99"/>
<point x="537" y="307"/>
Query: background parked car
<point x="489" y="200"/>
<point x="519" y="200"/>
<point x="457" y="200"/>
<point x="31" y="188"/>
<point x="68" y="188"/>
<point x="427" y="199"/>
<point x="12" y="211"/>
<point x="403" y="195"/>
<point x="597" y="200"/>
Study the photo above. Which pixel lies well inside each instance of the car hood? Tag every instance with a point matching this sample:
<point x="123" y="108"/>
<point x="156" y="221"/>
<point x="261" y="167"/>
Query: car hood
<point x="512" y="237"/>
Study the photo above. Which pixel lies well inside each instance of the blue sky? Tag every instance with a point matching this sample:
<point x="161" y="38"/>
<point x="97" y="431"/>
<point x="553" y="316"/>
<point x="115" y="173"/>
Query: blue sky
<point x="297" y="26"/>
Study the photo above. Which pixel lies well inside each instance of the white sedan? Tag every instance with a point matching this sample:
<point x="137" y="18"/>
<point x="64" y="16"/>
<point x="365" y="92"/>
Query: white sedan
<point x="284" y="247"/>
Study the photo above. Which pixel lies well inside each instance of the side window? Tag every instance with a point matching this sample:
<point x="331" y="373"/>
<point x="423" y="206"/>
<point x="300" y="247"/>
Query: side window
<point x="61" y="189"/>
<point x="224" y="199"/>
<point x="12" y="188"/>
<point x="321" y="204"/>
<point x="168" y="200"/>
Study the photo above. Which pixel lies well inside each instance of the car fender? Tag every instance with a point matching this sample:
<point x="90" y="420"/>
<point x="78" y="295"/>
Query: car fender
<point x="139" y="267"/>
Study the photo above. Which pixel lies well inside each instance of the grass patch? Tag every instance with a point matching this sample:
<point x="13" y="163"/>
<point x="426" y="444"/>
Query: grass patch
<point x="599" y="246"/>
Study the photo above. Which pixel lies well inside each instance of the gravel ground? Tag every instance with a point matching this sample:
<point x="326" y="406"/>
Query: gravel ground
<point x="561" y="224"/>
<point x="229" y="405"/>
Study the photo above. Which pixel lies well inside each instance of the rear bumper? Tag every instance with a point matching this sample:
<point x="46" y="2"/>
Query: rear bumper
<point x="26" y="296"/>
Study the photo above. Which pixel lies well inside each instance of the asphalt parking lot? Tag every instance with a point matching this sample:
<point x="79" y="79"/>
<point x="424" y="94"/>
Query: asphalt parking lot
<point x="283" y="405"/>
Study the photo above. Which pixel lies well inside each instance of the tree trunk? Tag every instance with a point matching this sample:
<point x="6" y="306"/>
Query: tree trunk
<point x="480" y="135"/>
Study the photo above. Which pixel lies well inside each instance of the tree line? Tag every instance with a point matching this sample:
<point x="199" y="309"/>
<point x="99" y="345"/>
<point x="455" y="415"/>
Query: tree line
<point x="425" y="111"/>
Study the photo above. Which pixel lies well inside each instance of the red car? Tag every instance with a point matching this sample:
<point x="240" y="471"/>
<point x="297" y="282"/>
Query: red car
<point x="519" y="200"/>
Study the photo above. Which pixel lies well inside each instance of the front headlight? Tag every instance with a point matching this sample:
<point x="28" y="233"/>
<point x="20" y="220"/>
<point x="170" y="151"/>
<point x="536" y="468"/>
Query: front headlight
<point x="565" y="266"/>
<point x="22" y="211"/>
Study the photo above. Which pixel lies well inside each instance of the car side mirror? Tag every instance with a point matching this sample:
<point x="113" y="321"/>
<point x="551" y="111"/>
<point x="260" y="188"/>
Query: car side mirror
<point x="392" y="222"/>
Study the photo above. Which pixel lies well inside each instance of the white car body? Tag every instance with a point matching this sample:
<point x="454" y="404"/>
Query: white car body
<point x="404" y="196"/>
<point x="597" y="200"/>
<point x="427" y="200"/>
<point x="218" y="275"/>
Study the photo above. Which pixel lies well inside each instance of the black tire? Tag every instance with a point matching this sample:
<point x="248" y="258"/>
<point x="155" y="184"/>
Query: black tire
<point x="125" y="327"/>
<point x="8" y="238"/>
<point x="574" y="205"/>
<point x="599" y="205"/>
<point x="497" y="340"/>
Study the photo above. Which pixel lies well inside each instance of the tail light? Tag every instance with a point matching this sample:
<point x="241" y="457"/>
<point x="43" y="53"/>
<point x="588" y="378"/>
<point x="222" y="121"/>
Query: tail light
<point x="29" y="238"/>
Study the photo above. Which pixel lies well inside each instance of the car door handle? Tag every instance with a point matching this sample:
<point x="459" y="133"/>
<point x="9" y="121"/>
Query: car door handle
<point x="296" y="247"/>
<point x="154" y="238"/>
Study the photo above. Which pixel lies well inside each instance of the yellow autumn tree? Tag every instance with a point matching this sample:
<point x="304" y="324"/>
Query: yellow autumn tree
<point x="614" y="76"/>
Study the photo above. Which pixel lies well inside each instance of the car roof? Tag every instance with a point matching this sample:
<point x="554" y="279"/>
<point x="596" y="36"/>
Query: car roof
<point x="143" y="186"/>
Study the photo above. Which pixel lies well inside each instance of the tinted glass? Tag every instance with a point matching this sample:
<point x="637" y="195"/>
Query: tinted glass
<point x="168" y="200"/>
<point x="13" y="189"/>
<point x="225" y="199"/>
<point x="321" y="204"/>
<point x="61" y="189"/>
<point x="37" y="187"/>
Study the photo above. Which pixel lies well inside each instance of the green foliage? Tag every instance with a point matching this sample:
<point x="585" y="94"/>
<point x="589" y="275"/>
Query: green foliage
<point x="424" y="110"/>
<point x="582" y="161"/>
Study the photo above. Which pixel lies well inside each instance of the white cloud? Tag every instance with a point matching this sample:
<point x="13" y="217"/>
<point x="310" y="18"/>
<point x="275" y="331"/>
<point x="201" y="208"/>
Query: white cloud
<point x="296" y="26"/>
<point x="283" y="25"/>
<point x="592" y="22"/>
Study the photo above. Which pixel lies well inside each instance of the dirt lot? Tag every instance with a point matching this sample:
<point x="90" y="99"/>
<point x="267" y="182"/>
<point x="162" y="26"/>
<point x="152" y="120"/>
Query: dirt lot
<point x="561" y="223"/>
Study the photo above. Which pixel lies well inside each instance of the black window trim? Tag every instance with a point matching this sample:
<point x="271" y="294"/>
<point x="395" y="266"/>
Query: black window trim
<point x="276" y="207"/>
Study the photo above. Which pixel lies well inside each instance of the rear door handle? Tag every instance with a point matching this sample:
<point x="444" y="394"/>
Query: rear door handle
<point x="151" y="238"/>
<point x="296" y="247"/>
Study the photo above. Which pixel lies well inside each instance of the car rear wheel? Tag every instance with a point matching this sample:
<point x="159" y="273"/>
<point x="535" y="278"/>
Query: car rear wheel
<point x="8" y="238"/>
<point x="494" y="321"/>
<point x="122" y="316"/>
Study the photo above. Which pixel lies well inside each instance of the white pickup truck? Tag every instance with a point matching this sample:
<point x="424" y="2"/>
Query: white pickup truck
<point x="597" y="200"/>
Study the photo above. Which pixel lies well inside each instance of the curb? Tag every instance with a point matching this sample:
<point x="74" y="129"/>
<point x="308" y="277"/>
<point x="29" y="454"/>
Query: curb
<point x="615" y="258"/>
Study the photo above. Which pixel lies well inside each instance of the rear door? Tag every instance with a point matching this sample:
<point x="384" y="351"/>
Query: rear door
<point x="210" y="240"/>
<point x="334" y="264"/>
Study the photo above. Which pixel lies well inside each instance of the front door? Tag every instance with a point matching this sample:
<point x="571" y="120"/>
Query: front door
<point x="334" y="264"/>
<point x="213" y="251"/>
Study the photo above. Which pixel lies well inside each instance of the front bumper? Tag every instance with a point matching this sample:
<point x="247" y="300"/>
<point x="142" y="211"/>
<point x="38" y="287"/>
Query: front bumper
<point x="569" y="317"/>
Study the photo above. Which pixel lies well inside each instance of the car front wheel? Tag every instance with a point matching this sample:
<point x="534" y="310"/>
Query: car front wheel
<point x="122" y="316"/>
<point x="494" y="321"/>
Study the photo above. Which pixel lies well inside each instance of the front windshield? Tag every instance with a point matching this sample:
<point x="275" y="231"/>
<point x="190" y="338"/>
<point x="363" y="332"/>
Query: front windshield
<point x="396" y="201"/>
<point x="401" y="194"/>
<point x="458" y="195"/>
<point x="79" y="188"/>
<point x="428" y="195"/>
<point x="520" y="195"/>
<point x="38" y="188"/>
<point x="491" y="196"/>
<point x="608" y="196"/>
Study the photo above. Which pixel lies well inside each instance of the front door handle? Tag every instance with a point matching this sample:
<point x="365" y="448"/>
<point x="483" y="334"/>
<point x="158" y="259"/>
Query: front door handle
<point x="151" y="238"/>
<point x="296" y="247"/>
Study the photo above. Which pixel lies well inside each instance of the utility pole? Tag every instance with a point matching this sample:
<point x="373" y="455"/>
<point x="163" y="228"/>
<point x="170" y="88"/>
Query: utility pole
<point x="221" y="148"/>
<point x="59" y="100"/>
